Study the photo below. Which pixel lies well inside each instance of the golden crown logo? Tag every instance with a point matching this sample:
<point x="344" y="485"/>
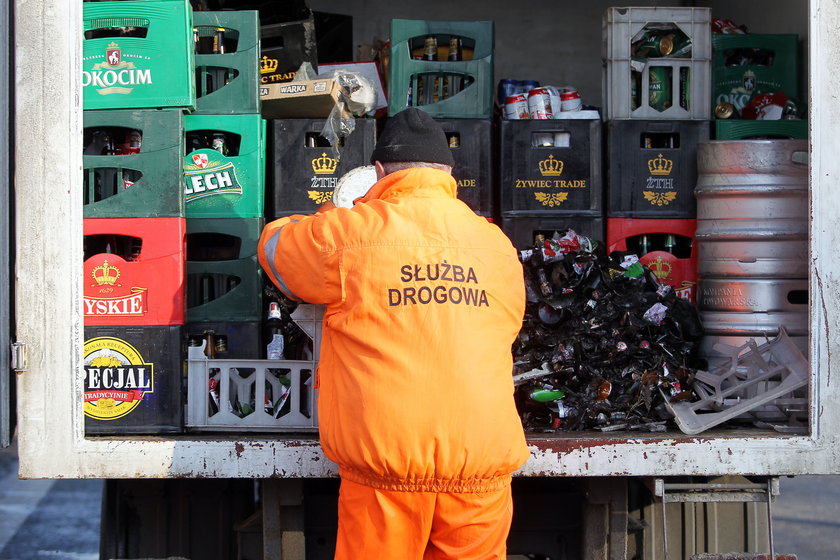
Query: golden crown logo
<point x="551" y="199"/>
<point x="660" y="268"/>
<point x="660" y="199"/>
<point x="551" y="167"/>
<point x="660" y="166"/>
<point x="105" y="274"/>
<point x="324" y="165"/>
<point x="268" y="65"/>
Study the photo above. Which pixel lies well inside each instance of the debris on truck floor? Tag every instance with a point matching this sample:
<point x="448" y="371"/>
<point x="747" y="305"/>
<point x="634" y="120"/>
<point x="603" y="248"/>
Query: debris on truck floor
<point x="602" y="341"/>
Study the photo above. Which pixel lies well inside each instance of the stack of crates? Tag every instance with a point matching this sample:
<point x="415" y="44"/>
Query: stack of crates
<point x="446" y="69"/>
<point x="744" y="65"/>
<point x="656" y="95"/>
<point x="137" y="82"/>
<point x="224" y="187"/>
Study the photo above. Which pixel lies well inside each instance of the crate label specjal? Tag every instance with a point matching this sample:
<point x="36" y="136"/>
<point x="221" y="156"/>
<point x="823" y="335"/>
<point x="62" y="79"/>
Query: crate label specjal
<point x="116" y="378"/>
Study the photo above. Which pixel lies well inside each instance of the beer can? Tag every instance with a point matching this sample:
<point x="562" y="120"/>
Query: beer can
<point x="659" y="87"/>
<point x="516" y="107"/>
<point x="570" y="99"/>
<point x="539" y="104"/>
<point x="554" y="99"/>
<point x="506" y="88"/>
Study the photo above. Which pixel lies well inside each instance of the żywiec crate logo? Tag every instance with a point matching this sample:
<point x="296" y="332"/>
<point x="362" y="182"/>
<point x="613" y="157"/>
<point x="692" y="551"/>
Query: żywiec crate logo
<point x="106" y="295"/>
<point x="207" y="173"/>
<point x="114" y="75"/>
<point x="324" y="168"/>
<point x="116" y="378"/>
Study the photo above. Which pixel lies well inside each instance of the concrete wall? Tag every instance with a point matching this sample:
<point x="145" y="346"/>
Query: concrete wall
<point x="555" y="42"/>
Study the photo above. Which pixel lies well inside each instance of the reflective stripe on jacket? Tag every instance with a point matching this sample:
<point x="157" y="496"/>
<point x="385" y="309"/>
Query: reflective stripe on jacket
<point x="423" y="301"/>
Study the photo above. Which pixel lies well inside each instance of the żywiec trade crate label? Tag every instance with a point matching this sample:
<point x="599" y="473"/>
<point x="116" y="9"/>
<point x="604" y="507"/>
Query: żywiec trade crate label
<point x="116" y="378"/>
<point x="207" y="172"/>
<point x="324" y="180"/>
<point x="107" y="295"/>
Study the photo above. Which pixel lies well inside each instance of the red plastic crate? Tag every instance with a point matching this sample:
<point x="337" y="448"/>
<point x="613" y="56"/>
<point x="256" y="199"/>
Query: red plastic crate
<point x="142" y="288"/>
<point x="679" y="273"/>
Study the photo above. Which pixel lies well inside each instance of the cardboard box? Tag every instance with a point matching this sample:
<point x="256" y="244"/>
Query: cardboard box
<point x="305" y="99"/>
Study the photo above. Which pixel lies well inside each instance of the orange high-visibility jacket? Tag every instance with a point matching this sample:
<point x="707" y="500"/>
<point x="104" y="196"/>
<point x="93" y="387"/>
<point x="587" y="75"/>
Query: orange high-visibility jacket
<point x="423" y="301"/>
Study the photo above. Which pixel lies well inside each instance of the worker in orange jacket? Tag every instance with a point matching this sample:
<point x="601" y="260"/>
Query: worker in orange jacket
<point x="423" y="301"/>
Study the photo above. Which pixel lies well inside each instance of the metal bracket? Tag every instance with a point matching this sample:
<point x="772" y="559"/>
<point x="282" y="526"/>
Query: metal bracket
<point x="18" y="355"/>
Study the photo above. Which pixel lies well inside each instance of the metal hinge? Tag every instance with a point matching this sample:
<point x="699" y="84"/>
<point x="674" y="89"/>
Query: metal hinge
<point x="19" y="364"/>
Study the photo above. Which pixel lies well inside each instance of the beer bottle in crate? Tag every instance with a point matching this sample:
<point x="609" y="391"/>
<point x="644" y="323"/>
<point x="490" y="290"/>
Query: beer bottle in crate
<point x="274" y="326"/>
<point x="454" y="82"/>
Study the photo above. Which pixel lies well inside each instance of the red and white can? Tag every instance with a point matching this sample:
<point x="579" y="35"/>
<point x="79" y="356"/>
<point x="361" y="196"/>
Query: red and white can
<point x="516" y="107"/>
<point x="539" y="104"/>
<point x="570" y="99"/>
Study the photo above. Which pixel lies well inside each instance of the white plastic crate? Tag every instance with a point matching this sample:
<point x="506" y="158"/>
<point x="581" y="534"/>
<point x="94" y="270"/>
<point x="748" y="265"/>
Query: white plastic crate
<point x="222" y="395"/>
<point x="620" y="26"/>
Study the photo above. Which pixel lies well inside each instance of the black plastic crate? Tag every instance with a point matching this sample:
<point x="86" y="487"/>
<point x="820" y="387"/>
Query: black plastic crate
<point x="224" y="277"/>
<point x="228" y="340"/>
<point x="653" y="168"/>
<point x="304" y="167"/>
<point x="551" y="165"/>
<point x="133" y="380"/>
<point x="284" y="47"/>
<point x="471" y="142"/>
<point x="521" y="227"/>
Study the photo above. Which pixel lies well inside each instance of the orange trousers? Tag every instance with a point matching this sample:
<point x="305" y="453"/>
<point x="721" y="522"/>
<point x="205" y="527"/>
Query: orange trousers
<point x="384" y="525"/>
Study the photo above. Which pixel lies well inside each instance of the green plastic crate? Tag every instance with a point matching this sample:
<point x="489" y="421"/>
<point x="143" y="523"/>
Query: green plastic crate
<point x="474" y="101"/>
<point x="237" y="70"/>
<point x="138" y="54"/>
<point x="737" y="84"/>
<point x="218" y="186"/>
<point x="140" y="185"/>
<point x="224" y="277"/>
<point x="743" y="129"/>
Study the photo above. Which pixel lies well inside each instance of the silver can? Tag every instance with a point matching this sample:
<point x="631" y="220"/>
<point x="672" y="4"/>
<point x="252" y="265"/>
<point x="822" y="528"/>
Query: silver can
<point x="516" y="107"/>
<point x="570" y="99"/>
<point x="539" y="104"/>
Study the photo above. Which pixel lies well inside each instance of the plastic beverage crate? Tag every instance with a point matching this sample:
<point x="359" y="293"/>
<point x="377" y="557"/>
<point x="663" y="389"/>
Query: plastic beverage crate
<point x="736" y="83"/>
<point x="474" y="100"/>
<point x="676" y="268"/>
<point x="133" y="380"/>
<point x="737" y="129"/>
<point x="303" y="166"/>
<point x="230" y="340"/>
<point x="653" y="168"/>
<point x="471" y="142"/>
<point x="138" y="54"/>
<point x="564" y="177"/>
<point x="228" y="82"/>
<point x="285" y="46"/>
<point x="225" y="186"/>
<point x="521" y="227"/>
<point x="620" y="25"/>
<point x="134" y="185"/>
<point x="224" y="278"/>
<point x="134" y="271"/>
<point x="284" y="388"/>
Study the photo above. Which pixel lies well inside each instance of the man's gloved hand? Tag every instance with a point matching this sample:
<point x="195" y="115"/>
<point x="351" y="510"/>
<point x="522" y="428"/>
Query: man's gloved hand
<point x="353" y="184"/>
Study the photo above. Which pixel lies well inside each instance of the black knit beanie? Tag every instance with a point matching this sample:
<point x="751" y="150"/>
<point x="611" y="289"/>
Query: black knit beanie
<point x="412" y="135"/>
